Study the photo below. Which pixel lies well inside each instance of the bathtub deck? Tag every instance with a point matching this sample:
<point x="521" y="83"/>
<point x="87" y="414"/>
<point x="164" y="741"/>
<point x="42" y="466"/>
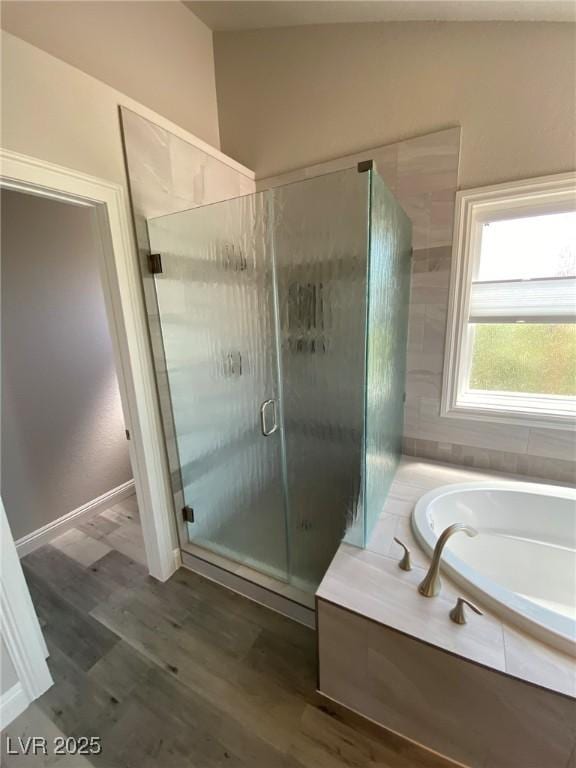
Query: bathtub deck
<point x="370" y="584"/>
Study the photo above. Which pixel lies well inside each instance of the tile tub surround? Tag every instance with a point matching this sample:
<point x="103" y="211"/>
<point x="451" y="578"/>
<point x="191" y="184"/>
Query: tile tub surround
<point x="369" y="582"/>
<point x="461" y="710"/>
<point x="406" y="652"/>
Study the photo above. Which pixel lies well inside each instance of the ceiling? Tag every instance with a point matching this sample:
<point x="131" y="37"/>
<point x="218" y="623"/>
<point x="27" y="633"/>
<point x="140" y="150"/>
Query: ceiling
<point x="226" y="15"/>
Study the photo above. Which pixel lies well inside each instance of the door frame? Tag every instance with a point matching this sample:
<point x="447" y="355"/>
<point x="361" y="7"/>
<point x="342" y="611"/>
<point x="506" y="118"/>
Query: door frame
<point x="20" y="632"/>
<point x="129" y="333"/>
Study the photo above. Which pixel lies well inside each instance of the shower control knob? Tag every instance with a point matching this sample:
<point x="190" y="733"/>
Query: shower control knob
<point x="405" y="564"/>
<point x="458" y="613"/>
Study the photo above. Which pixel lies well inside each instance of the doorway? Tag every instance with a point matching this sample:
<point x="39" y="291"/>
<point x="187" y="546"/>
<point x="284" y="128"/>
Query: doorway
<point x="120" y="275"/>
<point x="65" y="454"/>
<point x="124" y="310"/>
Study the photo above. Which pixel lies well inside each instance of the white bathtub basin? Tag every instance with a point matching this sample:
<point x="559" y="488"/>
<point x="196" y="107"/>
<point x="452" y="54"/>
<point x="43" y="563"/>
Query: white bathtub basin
<point x="522" y="564"/>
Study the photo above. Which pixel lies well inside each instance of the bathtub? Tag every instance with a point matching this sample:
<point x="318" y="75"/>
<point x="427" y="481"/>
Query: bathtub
<point x="522" y="564"/>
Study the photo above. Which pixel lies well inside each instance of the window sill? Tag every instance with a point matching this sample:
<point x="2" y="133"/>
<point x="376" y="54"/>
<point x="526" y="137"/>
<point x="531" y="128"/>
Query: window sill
<point x="549" y="413"/>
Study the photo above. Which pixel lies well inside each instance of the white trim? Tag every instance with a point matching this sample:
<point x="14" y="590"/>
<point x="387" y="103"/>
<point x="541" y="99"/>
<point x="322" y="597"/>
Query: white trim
<point x="19" y="627"/>
<point x="43" y="535"/>
<point x="12" y="703"/>
<point x="474" y="207"/>
<point x="177" y="555"/>
<point x="128" y="329"/>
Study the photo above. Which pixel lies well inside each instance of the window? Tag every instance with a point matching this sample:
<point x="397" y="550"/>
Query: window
<point x="511" y="342"/>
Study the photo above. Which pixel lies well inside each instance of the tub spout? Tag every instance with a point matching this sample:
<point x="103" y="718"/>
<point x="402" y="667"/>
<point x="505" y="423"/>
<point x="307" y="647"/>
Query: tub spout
<point x="431" y="584"/>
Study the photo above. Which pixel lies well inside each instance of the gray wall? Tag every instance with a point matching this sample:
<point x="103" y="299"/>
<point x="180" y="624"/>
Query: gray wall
<point x="63" y="441"/>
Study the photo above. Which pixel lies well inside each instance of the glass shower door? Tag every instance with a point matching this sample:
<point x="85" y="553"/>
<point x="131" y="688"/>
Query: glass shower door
<point x="283" y="318"/>
<point x="216" y="309"/>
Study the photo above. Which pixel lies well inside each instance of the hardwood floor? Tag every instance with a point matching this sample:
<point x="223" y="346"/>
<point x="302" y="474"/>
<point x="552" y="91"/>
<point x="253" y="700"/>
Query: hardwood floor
<point x="178" y="674"/>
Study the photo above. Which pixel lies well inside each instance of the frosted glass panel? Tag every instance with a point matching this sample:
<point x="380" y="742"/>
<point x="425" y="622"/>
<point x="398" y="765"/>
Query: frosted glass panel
<point x="284" y="322"/>
<point x="320" y="240"/>
<point x="216" y="307"/>
<point x="388" y="298"/>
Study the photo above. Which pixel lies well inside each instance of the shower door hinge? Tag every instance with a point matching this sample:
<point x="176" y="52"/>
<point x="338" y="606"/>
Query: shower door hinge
<point x="188" y="514"/>
<point x="365" y="165"/>
<point x="155" y="263"/>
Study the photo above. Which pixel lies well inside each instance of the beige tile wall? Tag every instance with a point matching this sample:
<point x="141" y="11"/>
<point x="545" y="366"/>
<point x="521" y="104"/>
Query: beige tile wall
<point x="460" y="709"/>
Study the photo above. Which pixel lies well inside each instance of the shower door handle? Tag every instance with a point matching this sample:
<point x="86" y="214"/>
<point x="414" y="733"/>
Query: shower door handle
<point x="264" y="421"/>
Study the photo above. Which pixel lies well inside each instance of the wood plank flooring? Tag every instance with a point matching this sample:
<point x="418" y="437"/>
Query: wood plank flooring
<point x="181" y="674"/>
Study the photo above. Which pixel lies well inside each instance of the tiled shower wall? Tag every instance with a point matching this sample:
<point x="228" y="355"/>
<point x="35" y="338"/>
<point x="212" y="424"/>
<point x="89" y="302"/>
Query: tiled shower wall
<point x="423" y="174"/>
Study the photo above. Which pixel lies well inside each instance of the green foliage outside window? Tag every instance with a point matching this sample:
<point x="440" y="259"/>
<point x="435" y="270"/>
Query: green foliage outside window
<point x="525" y="357"/>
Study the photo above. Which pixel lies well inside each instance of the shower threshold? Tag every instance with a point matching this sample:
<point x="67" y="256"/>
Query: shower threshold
<point x="279" y="596"/>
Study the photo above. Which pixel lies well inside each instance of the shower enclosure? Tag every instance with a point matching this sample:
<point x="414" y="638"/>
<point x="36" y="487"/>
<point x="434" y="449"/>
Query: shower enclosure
<point x="284" y="317"/>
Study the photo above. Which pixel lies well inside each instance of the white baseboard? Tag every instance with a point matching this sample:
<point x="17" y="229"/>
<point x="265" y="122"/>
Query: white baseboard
<point x="43" y="535"/>
<point x="12" y="703"/>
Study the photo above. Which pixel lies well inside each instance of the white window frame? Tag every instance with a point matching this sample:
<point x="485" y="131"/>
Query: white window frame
<point x="474" y="208"/>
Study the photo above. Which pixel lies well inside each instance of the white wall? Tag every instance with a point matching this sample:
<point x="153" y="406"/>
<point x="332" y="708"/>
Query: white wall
<point x="296" y="96"/>
<point x="63" y="440"/>
<point x="158" y="53"/>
